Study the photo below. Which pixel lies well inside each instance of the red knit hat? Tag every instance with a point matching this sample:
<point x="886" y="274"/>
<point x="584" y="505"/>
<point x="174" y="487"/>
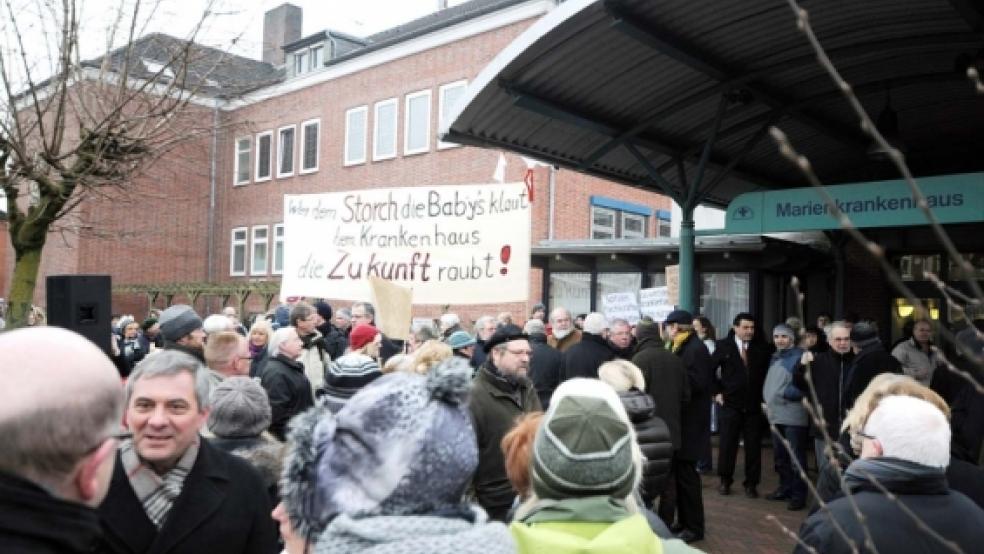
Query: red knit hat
<point x="362" y="335"/>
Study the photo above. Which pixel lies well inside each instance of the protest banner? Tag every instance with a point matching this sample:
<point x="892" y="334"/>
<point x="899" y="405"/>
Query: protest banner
<point x="467" y="244"/>
<point x="621" y="305"/>
<point x="672" y="284"/>
<point x="655" y="303"/>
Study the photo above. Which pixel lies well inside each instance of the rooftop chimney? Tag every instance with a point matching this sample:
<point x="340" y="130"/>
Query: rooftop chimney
<point x="281" y="25"/>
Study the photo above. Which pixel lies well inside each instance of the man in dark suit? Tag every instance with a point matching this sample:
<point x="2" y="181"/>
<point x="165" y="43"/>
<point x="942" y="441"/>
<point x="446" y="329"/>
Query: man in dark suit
<point x="741" y="365"/>
<point x="695" y="420"/>
<point x="172" y="492"/>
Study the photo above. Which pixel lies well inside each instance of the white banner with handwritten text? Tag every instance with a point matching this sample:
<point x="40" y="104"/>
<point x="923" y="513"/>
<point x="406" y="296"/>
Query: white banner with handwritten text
<point x="467" y="244"/>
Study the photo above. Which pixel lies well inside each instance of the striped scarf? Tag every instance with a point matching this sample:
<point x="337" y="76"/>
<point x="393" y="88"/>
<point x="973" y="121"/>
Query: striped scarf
<point x="156" y="493"/>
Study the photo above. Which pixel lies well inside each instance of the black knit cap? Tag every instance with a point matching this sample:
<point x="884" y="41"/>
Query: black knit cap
<point x="505" y="334"/>
<point x="863" y="332"/>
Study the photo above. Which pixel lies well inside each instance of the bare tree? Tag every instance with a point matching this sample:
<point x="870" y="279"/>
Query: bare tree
<point x="73" y="130"/>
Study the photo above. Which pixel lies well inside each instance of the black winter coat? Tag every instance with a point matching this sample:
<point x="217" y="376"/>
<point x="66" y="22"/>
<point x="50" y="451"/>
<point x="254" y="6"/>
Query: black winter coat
<point x="584" y="358"/>
<point x="546" y="368"/>
<point x="334" y="340"/>
<point x="223" y="508"/>
<point x="654" y="439"/>
<point x="696" y="418"/>
<point x="32" y="521"/>
<point x="950" y="514"/>
<point x="666" y="382"/>
<point x="262" y="452"/>
<point x="869" y="362"/>
<point x="828" y="371"/>
<point x="288" y="389"/>
<point x="741" y="386"/>
<point x="257" y="363"/>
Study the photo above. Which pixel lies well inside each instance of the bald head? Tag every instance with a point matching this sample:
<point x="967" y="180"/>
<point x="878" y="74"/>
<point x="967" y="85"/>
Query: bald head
<point x="66" y="400"/>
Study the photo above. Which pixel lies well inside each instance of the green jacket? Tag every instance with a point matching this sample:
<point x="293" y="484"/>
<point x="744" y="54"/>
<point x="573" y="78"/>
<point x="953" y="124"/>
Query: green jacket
<point x="494" y="407"/>
<point x="589" y="525"/>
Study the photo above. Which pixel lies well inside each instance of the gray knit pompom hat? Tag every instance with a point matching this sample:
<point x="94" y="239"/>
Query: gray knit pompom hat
<point x="403" y="445"/>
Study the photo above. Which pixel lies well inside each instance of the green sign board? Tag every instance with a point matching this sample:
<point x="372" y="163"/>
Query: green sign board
<point x="953" y="199"/>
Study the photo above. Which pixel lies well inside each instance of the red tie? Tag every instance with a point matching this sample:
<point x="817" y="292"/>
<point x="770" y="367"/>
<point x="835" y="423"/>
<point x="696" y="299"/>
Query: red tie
<point x="744" y="353"/>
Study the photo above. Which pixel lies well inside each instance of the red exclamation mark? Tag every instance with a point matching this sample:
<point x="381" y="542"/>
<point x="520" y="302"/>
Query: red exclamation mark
<point x="504" y="256"/>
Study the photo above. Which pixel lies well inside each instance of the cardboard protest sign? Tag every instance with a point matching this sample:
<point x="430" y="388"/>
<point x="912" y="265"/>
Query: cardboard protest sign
<point x="673" y="284"/>
<point x="655" y="303"/>
<point x="621" y="305"/>
<point x="466" y="244"/>
<point x="393" y="308"/>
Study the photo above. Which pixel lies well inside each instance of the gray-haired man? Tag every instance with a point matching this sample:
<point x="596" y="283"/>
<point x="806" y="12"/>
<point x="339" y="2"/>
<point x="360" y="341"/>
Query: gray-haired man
<point x="172" y="491"/>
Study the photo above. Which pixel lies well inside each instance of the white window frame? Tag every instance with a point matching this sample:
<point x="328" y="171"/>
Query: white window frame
<point x="407" y="151"/>
<point x="278" y="244"/>
<point x="253" y="243"/>
<point x="376" y="156"/>
<point x="612" y="229"/>
<point x="659" y="227"/>
<point x="301" y="62"/>
<point x="303" y="143"/>
<point x="256" y="168"/>
<point x="463" y="83"/>
<point x="626" y="234"/>
<point x="365" y="122"/>
<point x="233" y="243"/>
<point x="313" y="64"/>
<point x="280" y="151"/>
<point x="235" y="162"/>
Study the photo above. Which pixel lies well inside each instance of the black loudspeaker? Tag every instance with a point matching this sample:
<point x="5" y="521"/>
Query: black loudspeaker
<point x="81" y="303"/>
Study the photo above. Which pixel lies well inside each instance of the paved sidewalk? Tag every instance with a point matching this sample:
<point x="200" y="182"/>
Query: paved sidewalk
<point x="738" y="524"/>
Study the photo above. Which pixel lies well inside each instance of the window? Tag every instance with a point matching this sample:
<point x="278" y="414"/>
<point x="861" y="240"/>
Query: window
<point x="633" y="226"/>
<point x="285" y="151"/>
<point x="617" y="219"/>
<point x="355" y="135"/>
<point x="264" y="152"/>
<point x="449" y="100"/>
<point x="384" y="130"/>
<point x="914" y="267"/>
<point x="237" y="252"/>
<point x="310" y="131"/>
<point x="572" y="291"/>
<point x="416" y="130"/>
<point x="278" y="249"/>
<point x="241" y="170"/>
<point x="300" y="62"/>
<point x="316" y="58"/>
<point x="260" y="241"/>
<point x="722" y="296"/>
<point x="663" y="222"/>
<point x="602" y="223"/>
<point x="616" y="282"/>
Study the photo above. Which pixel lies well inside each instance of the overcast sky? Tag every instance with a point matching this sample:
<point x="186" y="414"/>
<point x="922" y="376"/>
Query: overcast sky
<point x="237" y="25"/>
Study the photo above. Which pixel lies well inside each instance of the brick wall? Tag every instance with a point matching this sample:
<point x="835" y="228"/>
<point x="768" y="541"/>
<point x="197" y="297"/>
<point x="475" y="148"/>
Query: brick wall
<point x="262" y="203"/>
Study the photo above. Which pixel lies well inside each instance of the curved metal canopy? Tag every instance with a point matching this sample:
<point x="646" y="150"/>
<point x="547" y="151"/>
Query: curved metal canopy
<point x="634" y="90"/>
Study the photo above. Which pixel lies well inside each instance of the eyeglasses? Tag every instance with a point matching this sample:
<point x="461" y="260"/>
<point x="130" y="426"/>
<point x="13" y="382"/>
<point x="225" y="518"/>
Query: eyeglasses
<point x="120" y="436"/>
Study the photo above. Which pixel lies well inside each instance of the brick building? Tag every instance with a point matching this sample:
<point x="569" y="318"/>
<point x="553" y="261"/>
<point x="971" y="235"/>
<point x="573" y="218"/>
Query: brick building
<point x="336" y="113"/>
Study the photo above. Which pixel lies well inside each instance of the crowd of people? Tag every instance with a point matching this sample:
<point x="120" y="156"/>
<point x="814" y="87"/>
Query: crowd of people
<point x="310" y="430"/>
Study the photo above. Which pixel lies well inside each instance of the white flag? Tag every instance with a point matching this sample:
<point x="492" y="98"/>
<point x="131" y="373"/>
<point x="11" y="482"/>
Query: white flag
<point x="499" y="175"/>
<point x="531" y="163"/>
